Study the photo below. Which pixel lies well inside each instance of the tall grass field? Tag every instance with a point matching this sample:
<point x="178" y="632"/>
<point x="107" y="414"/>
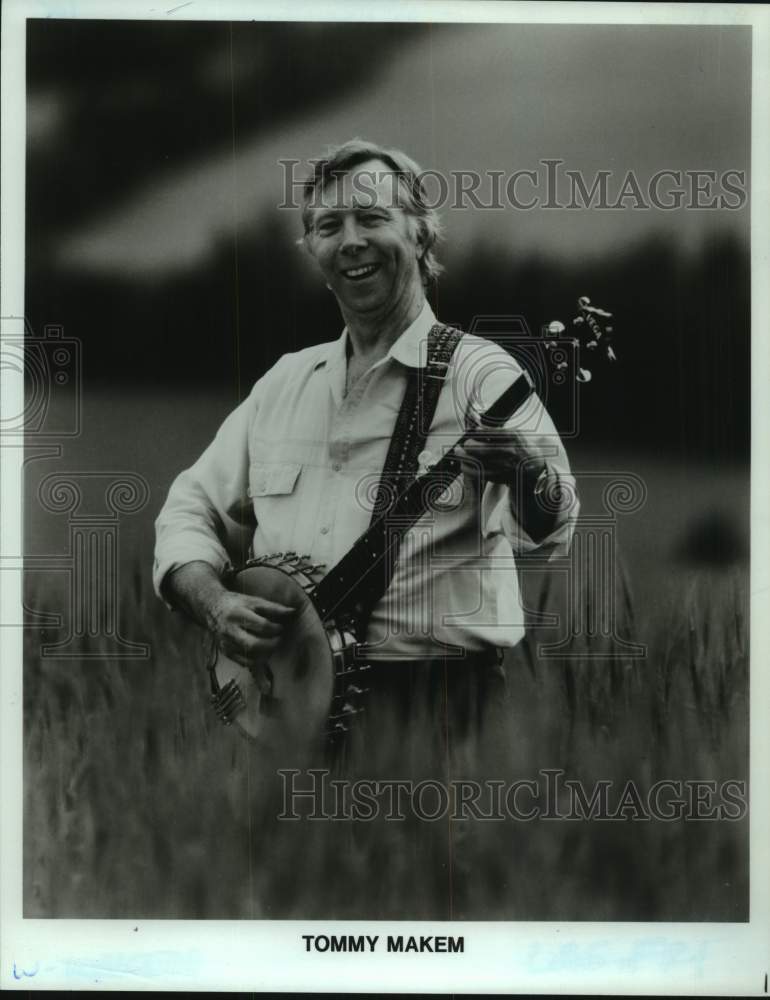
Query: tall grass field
<point x="138" y="803"/>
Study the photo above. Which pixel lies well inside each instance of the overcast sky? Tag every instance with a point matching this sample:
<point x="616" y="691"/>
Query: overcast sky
<point x="485" y="98"/>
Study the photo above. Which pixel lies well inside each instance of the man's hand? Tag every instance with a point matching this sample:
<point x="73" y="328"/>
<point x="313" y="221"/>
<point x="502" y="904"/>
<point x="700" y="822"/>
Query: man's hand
<point x="494" y="454"/>
<point x="530" y="462"/>
<point x="247" y="629"/>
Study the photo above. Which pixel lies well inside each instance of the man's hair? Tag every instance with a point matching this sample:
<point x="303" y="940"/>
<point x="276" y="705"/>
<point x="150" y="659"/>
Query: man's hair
<point x="342" y="159"/>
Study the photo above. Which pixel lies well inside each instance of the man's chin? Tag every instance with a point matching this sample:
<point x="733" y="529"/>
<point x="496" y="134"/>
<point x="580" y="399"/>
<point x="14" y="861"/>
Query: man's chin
<point x="365" y="303"/>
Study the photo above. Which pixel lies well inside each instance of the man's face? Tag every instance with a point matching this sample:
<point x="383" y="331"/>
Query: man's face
<point x="365" y="244"/>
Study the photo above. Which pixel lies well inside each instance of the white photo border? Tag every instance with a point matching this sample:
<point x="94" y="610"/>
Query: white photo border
<point x="527" y="957"/>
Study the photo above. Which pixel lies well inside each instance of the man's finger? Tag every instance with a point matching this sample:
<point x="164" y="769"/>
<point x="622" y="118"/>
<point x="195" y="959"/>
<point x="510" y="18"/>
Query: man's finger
<point x="246" y="648"/>
<point x="480" y="452"/>
<point x="257" y="625"/>
<point x="271" y="609"/>
<point x="469" y="461"/>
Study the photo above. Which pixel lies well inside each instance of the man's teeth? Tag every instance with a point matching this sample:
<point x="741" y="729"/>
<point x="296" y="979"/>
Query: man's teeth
<point x="359" y="272"/>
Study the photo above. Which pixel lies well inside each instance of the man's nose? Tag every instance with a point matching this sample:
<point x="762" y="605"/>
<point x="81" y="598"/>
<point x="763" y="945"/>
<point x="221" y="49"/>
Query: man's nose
<point x="353" y="238"/>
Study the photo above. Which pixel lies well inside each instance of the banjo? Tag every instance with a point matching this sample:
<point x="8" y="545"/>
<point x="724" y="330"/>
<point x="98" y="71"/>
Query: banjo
<point x="317" y="672"/>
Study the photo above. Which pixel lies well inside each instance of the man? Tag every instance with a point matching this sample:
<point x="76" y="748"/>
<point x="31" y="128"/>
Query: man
<point x="315" y="431"/>
<point x="296" y="465"/>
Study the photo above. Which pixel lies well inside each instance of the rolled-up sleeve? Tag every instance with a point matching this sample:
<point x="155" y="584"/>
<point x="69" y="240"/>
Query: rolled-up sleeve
<point x="207" y="515"/>
<point x="562" y="486"/>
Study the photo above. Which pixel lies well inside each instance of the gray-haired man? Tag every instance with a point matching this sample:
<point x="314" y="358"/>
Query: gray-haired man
<point x="292" y="469"/>
<point x="318" y="424"/>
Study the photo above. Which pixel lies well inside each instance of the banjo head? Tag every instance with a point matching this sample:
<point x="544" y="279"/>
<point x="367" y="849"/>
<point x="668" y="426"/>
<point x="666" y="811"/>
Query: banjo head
<point x="293" y="716"/>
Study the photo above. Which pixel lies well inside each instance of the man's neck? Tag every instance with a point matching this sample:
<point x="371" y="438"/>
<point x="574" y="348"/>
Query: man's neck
<point x="371" y="337"/>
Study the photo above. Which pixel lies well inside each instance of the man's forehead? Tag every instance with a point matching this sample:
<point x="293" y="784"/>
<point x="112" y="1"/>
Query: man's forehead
<point x="364" y="185"/>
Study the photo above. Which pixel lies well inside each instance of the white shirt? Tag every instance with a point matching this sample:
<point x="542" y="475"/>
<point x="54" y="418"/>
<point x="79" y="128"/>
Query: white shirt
<point x="306" y="459"/>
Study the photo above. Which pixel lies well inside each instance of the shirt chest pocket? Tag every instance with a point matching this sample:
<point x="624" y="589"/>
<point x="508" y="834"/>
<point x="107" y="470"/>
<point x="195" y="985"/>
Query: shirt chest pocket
<point x="273" y="479"/>
<point x="273" y="490"/>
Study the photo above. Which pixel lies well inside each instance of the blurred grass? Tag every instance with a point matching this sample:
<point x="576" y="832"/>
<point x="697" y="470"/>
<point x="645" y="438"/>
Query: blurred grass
<point x="138" y="804"/>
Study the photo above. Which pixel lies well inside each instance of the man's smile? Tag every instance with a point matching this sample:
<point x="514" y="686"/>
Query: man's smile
<point x="360" y="272"/>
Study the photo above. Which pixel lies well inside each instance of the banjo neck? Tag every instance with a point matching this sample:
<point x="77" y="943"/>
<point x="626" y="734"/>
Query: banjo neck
<point x="363" y="574"/>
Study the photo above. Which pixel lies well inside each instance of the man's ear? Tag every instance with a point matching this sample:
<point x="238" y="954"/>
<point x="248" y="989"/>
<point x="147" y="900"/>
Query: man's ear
<point x="306" y="246"/>
<point x="304" y="243"/>
<point x="418" y="235"/>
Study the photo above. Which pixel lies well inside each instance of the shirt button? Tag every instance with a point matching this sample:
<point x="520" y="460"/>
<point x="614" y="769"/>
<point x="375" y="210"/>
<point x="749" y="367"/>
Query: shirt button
<point x="336" y="466"/>
<point x="324" y="531"/>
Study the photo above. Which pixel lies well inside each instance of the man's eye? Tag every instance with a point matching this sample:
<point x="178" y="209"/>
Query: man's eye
<point x="372" y="220"/>
<point x="327" y="227"/>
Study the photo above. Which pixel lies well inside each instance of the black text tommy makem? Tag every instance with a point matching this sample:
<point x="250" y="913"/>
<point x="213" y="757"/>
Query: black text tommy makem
<point x="396" y="943"/>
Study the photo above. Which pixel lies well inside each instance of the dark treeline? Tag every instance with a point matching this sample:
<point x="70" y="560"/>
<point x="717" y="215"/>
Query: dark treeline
<point x="144" y="99"/>
<point x="682" y="330"/>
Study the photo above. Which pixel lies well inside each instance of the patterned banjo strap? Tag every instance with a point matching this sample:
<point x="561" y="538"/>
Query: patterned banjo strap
<point x="415" y="417"/>
<point x="413" y="424"/>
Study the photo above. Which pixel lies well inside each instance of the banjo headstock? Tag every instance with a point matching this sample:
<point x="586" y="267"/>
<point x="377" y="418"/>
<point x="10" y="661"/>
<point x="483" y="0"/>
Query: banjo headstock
<point x="589" y="335"/>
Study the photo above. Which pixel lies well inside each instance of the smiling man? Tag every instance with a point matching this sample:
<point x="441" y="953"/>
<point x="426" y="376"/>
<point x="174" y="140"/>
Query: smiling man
<point x="290" y="469"/>
<point x="296" y="467"/>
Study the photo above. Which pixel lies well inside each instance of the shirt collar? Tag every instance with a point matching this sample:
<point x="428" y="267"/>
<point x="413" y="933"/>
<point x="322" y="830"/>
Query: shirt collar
<point x="411" y="348"/>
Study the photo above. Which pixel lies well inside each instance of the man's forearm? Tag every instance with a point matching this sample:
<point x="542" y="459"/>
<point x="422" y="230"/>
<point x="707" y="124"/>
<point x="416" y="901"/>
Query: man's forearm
<point x="194" y="588"/>
<point x="535" y="516"/>
<point x="543" y="502"/>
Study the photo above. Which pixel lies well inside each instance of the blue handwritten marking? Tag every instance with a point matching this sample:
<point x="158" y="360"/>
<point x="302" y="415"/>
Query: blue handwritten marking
<point x="656" y="952"/>
<point x="122" y="965"/>
<point x="25" y="973"/>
